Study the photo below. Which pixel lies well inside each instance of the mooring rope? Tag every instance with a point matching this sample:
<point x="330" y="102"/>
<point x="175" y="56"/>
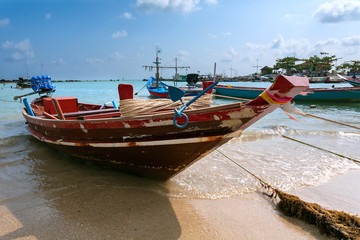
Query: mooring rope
<point x="252" y="174"/>
<point x="338" y="224"/>
<point x="290" y="108"/>
<point x="308" y="144"/>
<point x="5" y="100"/>
<point x="333" y="121"/>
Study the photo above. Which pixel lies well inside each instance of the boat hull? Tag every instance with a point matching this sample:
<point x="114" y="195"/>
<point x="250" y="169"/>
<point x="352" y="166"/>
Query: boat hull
<point x="149" y="160"/>
<point x="159" y="89"/>
<point x="341" y="94"/>
<point x="159" y="151"/>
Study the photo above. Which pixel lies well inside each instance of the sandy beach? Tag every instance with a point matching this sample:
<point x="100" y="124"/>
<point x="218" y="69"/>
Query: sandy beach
<point x="45" y="194"/>
<point x="253" y="216"/>
<point x="81" y="211"/>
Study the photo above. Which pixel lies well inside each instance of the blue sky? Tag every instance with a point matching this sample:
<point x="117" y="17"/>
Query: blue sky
<point x="113" y="39"/>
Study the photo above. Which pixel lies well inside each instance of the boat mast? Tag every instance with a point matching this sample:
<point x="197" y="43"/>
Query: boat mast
<point x="157" y="75"/>
<point x="176" y="74"/>
<point x="27" y="72"/>
<point x="157" y="62"/>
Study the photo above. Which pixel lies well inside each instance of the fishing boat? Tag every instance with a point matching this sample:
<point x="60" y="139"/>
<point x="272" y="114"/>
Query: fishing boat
<point x="23" y="83"/>
<point x="154" y="142"/>
<point x="354" y="82"/>
<point x="159" y="89"/>
<point x="338" y="94"/>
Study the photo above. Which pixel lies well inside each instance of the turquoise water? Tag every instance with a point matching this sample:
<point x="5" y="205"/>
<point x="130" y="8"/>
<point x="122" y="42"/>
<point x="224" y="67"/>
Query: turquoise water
<point x="28" y="166"/>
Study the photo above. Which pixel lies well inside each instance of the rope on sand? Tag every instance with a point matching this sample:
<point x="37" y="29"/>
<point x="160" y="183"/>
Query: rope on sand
<point x="134" y="107"/>
<point x="308" y="144"/>
<point x="333" y="223"/>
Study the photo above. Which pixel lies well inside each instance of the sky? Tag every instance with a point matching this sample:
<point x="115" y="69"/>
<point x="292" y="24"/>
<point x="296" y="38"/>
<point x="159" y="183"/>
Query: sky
<point x="114" y="39"/>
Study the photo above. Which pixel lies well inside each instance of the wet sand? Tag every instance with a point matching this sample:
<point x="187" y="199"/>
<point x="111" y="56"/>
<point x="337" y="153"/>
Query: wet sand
<point x="79" y="209"/>
<point x="253" y="216"/>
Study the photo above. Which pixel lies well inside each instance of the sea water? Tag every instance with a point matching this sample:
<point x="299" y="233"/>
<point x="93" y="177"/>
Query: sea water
<point x="31" y="169"/>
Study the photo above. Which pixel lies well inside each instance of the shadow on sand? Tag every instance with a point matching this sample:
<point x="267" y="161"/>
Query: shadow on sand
<point x="51" y="196"/>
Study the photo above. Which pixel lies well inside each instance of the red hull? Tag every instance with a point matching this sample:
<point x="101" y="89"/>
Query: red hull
<point x="150" y="145"/>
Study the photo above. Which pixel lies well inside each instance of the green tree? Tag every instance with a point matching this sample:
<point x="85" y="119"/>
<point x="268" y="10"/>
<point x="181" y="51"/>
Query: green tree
<point x="287" y="63"/>
<point x="349" y="67"/>
<point x="321" y="65"/>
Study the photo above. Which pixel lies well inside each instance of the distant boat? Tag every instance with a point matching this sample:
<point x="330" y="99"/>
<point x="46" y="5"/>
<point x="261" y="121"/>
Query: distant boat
<point x="23" y="83"/>
<point x="338" y="94"/>
<point x="159" y="89"/>
<point x="353" y="81"/>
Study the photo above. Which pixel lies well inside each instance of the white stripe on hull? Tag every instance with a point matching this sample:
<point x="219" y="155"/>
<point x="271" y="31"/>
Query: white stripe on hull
<point x="133" y="144"/>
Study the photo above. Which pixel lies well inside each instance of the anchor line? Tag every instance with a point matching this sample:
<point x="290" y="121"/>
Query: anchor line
<point x="308" y="144"/>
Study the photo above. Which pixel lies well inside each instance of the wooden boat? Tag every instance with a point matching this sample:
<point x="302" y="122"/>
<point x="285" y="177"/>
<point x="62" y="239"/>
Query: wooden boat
<point x="156" y="144"/>
<point x="338" y="94"/>
<point x="354" y="82"/>
<point x="23" y="83"/>
<point x="159" y="89"/>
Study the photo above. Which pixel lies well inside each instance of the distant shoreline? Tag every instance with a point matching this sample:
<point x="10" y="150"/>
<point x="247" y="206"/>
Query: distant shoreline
<point x="27" y="81"/>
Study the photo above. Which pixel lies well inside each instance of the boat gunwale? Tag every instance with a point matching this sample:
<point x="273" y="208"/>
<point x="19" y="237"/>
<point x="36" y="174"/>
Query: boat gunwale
<point x="152" y="116"/>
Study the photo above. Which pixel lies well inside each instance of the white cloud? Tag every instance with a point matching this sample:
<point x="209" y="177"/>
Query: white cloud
<point x="183" y="53"/>
<point x="93" y="60"/>
<point x="23" y="45"/>
<point x="20" y="49"/>
<point x="17" y="56"/>
<point x="29" y="54"/>
<point x="4" y="22"/>
<point x="351" y="41"/>
<point x="8" y="44"/>
<point x="48" y="16"/>
<point x="281" y="47"/>
<point x="59" y="61"/>
<point x="256" y="46"/>
<point x="127" y="15"/>
<point x="211" y="1"/>
<point x="119" y="34"/>
<point x="338" y="11"/>
<point x="230" y="55"/>
<point x="278" y="43"/>
<point x="116" y="56"/>
<point x="169" y="5"/>
<point x="330" y="41"/>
